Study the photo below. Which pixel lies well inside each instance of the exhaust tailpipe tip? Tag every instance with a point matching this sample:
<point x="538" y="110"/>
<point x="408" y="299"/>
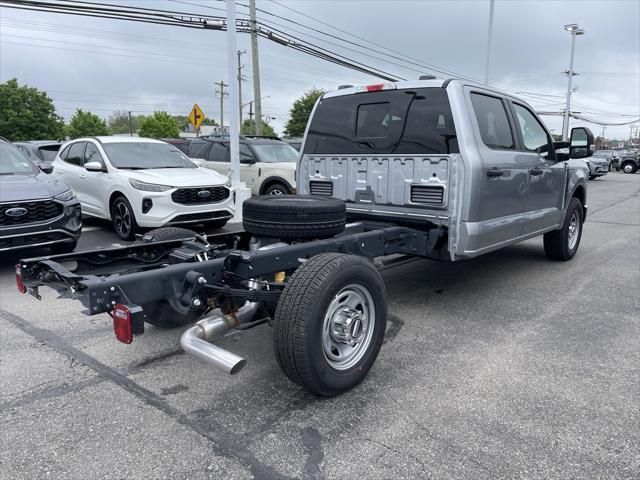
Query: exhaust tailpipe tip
<point x="195" y="340"/>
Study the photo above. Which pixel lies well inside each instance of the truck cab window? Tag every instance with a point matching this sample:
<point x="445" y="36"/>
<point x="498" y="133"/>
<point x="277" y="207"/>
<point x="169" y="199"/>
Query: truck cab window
<point x="492" y="121"/>
<point x="534" y="135"/>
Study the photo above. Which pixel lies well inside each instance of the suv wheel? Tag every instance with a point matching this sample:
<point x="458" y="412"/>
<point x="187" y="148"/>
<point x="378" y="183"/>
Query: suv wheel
<point x="123" y="219"/>
<point x="629" y="167"/>
<point x="277" y="189"/>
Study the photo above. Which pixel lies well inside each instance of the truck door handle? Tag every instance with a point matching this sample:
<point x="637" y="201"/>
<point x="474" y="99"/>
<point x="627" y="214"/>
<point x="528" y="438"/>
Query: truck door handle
<point x="82" y="175"/>
<point x="537" y="171"/>
<point x="495" y="172"/>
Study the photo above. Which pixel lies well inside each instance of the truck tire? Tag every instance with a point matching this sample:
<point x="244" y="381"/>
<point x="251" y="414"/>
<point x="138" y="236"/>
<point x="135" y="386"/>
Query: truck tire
<point x="563" y="244"/>
<point x="330" y="322"/>
<point x="628" y="167"/>
<point x="161" y="314"/>
<point x="294" y="217"/>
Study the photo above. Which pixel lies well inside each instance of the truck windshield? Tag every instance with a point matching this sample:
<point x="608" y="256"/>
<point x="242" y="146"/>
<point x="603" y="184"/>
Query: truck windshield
<point x="143" y="155"/>
<point x="413" y="121"/>
<point x="13" y="162"/>
<point x="275" y="152"/>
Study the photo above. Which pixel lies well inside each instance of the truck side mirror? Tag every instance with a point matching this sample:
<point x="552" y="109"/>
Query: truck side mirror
<point x="580" y="143"/>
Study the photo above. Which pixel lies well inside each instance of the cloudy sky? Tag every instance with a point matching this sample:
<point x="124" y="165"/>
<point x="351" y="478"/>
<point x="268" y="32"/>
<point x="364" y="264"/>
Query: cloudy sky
<point x="106" y="65"/>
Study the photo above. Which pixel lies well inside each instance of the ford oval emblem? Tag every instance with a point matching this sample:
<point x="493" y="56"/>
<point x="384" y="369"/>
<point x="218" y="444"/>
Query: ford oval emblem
<point x="204" y="194"/>
<point x="16" y="212"/>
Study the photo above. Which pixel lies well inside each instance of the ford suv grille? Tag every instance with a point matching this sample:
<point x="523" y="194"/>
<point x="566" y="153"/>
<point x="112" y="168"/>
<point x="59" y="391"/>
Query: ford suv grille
<point x="427" y="194"/>
<point x="21" y="213"/>
<point x="198" y="195"/>
<point x="321" y="188"/>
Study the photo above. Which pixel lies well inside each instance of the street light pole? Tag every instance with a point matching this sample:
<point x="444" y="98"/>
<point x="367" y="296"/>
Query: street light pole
<point x="575" y="30"/>
<point x="489" y="35"/>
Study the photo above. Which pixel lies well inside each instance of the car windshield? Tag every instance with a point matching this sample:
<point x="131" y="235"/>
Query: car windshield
<point x="13" y="162"/>
<point x="144" y="155"/>
<point x="275" y="152"/>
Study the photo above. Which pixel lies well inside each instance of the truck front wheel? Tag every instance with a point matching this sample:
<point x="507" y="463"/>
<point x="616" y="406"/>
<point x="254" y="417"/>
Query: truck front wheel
<point x="330" y="322"/>
<point x="563" y="244"/>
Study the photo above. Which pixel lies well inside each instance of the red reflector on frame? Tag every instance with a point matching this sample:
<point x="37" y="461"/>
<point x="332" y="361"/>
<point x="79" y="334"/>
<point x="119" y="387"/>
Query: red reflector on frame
<point x="122" y="323"/>
<point x="19" y="282"/>
<point x="375" y="88"/>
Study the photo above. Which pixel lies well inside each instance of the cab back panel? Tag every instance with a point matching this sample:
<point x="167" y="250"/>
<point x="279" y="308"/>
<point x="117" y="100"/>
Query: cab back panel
<point x="401" y="186"/>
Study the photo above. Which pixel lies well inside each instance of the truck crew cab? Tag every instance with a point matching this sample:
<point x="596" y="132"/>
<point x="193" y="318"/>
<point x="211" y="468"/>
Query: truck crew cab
<point x="438" y="169"/>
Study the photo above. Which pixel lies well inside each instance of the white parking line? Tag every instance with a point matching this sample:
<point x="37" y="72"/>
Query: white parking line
<point x="92" y="228"/>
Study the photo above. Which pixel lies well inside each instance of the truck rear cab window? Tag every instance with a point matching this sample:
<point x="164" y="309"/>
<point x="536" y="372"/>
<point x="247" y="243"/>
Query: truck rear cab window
<point x="374" y="120"/>
<point x="492" y="121"/>
<point x="402" y="122"/>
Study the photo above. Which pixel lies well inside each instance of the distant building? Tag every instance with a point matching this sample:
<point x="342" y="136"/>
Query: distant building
<point x="205" y="131"/>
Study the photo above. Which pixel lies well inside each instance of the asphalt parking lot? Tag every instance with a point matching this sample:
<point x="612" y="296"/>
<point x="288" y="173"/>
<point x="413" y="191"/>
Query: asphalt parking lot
<point x="505" y="366"/>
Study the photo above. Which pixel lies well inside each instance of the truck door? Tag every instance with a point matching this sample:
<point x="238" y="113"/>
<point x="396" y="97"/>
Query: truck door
<point x="504" y="177"/>
<point x="546" y="176"/>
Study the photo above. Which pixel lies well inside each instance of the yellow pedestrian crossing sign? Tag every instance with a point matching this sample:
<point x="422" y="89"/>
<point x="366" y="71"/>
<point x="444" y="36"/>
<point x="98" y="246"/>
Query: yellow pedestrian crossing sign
<point x="196" y="116"/>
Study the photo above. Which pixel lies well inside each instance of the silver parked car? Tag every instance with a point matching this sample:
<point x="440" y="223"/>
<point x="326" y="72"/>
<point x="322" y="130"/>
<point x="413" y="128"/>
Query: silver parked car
<point x="599" y="166"/>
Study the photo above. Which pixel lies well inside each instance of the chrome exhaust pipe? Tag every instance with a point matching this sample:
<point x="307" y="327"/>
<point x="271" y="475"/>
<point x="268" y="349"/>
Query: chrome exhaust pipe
<point x="195" y="340"/>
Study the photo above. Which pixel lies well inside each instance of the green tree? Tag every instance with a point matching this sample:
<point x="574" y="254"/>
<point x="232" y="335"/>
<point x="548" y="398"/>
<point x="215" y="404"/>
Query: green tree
<point x="119" y="122"/>
<point x="159" y="125"/>
<point x="249" y="128"/>
<point x="26" y="113"/>
<point x="300" y="112"/>
<point x="86" y="124"/>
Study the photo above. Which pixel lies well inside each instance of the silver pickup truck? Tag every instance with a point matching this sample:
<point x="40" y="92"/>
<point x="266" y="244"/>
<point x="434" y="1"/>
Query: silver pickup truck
<point x="444" y="170"/>
<point x="470" y="159"/>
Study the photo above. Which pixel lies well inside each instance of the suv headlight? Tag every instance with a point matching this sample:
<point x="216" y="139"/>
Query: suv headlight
<point x="148" y="187"/>
<point x="66" y="196"/>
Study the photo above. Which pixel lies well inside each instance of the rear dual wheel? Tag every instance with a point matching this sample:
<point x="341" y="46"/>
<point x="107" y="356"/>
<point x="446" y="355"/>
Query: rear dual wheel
<point x="330" y="322"/>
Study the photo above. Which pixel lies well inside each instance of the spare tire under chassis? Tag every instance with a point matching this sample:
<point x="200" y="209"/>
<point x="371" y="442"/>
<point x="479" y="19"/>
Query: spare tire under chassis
<point x="294" y="217"/>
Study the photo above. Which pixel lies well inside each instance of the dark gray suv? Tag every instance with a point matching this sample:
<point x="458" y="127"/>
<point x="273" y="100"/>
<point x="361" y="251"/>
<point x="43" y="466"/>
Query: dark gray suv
<point x="35" y="210"/>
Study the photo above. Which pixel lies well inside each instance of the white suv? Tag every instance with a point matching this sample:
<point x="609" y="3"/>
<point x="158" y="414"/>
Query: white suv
<point x="140" y="182"/>
<point x="267" y="165"/>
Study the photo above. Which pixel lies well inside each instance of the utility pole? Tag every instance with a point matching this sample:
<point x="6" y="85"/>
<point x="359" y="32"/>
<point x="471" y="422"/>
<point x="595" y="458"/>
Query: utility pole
<point x="575" y="30"/>
<point x="222" y="94"/>
<point x="130" y="126"/>
<point x="489" y="35"/>
<point x="255" y="66"/>
<point x="250" y="110"/>
<point x="240" y="80"/>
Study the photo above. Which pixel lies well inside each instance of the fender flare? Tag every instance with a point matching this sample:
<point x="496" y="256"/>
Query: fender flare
<point x="274" y="179"/>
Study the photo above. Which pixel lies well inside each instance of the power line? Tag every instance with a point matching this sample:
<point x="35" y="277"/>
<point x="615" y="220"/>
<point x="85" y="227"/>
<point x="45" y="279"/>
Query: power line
<point x="181" y="19"/>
